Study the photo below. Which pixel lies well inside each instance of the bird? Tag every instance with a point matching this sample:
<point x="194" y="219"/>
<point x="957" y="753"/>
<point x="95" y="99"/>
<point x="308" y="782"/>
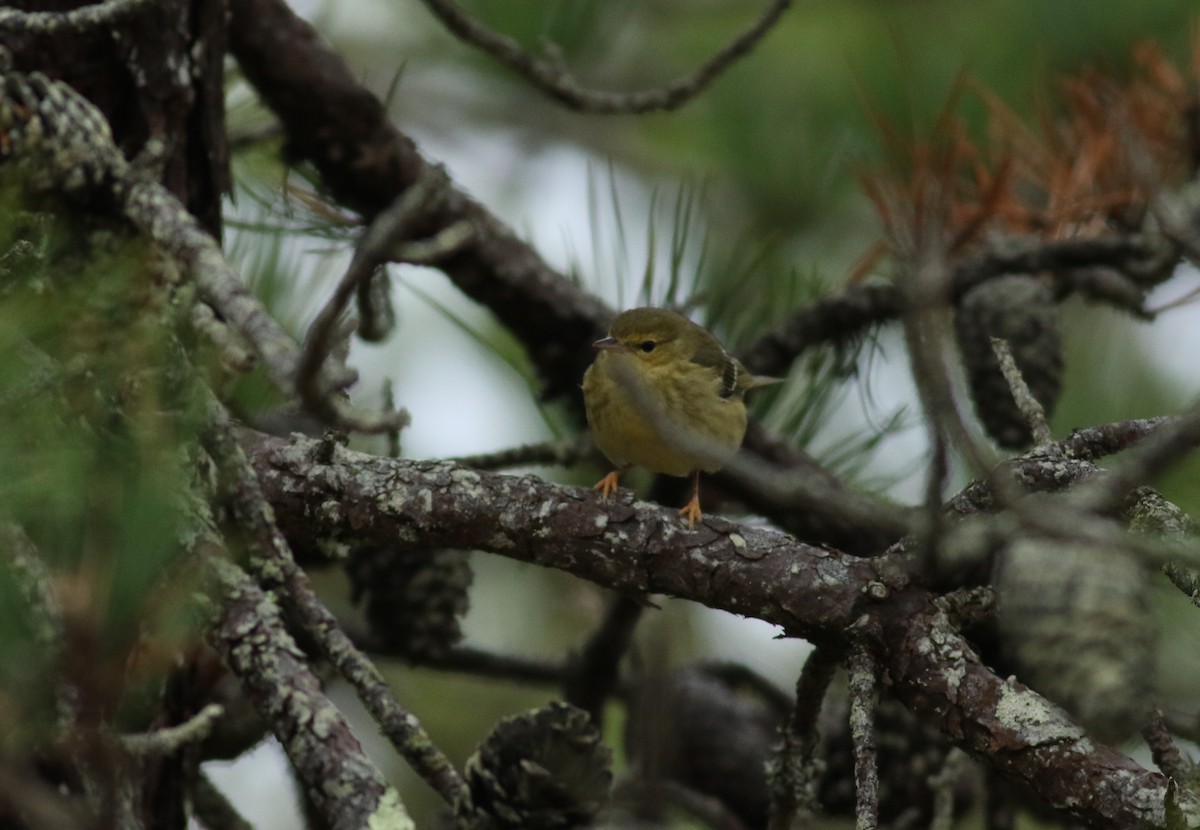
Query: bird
<point x="663" y="394"/>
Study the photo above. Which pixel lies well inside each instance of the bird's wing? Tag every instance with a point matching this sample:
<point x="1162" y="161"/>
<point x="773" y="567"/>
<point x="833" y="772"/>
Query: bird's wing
<point x="725" y="370"/>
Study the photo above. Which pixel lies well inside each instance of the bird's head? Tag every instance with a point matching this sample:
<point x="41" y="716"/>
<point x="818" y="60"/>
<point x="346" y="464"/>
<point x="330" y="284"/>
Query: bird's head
<point x="653" y="336"/>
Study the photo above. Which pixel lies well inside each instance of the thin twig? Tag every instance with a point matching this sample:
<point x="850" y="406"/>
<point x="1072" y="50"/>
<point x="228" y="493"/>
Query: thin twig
<point x="1168" y="445"/>
<point x="1030" y="407"/>
<point x="400" y="726"/>
<point x="838" y="318"/>
<point x="925" y="335"/>
<point x="794" y="771"/>
<point x="171" y="739"/>
<point x="863" y="698"/>
<point x="344" y="131"/>
<point x="378" y="244"/>
<point x="158" y="215"/>
<point x="389" y="405"/>
<point x="927" y="292"/>
<point x="550" y="77"/>
<point x="808" y="500"/>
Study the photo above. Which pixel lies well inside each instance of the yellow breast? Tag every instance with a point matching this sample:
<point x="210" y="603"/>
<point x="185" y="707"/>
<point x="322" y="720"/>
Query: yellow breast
<point x="667" y="422"/>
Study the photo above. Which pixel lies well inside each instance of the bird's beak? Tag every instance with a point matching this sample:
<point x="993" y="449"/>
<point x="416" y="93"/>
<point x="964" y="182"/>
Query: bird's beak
<point x="607" y="343"/>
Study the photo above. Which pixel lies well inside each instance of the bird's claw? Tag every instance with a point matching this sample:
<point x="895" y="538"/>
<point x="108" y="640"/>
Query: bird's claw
<point x="691" y="511"/>
<point x="607" y="485"/>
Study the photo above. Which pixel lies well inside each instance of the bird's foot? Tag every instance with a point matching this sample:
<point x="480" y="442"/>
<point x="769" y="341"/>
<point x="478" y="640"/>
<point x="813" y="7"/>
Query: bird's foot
<point x="607" y="485"/>
<point x="691" y="511"/>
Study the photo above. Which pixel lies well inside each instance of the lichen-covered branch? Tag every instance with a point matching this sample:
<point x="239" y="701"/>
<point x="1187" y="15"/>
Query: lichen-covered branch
<point x="630" y="546"/>
<point x="864" y="695"/>
<point x="171" y="739"/>
<point x="812" y="592"/>
<point x="1030" y="407"/>
<point x="1024" y="737"/>
<point x="251" y="638"/>
<point x="1168" y="445"/>
<point x="274" y="564"/>
<point x="99" y="14"/>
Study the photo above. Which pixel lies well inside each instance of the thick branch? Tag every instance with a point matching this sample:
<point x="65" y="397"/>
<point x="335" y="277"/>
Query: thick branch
<point x="1025" y="738"/>
<point x="810" y="591"/>
<point x="365" y="162"/>
<point x="630" y="546"/>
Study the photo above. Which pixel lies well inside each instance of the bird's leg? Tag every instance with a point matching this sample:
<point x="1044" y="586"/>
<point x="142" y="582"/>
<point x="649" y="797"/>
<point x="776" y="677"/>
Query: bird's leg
<point x="608" y="485"/>
<point x="691" y="510"/>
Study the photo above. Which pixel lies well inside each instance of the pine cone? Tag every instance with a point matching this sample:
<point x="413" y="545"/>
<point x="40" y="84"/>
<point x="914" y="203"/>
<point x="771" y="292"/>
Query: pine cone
<point x="1076" y="619"/>
<point x="414" y="599"/>
<point x="543" y="770"/>
<point x="1021" y="310"/>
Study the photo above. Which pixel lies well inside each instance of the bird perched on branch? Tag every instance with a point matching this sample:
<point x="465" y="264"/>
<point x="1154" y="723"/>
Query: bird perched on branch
<point x="663" y="394"/>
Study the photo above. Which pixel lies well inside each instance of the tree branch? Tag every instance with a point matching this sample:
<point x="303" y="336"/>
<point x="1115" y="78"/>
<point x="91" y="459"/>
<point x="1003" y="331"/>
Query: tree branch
<point x="809" y="591"/>
<point x="795" y="772"/>
<point x="864" y="697"/>
<point x="838" y="318"/>
<point x="338" y="125"/>
<point x="275" y="565"/>
<point x="552" y="78"/>
<point x="251" y="638"/>
<point x="391" y="227"/>
<point x="98" y="14"/>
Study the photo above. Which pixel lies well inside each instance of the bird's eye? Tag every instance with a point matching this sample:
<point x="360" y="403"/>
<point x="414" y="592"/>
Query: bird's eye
<point x="648" y="345"/>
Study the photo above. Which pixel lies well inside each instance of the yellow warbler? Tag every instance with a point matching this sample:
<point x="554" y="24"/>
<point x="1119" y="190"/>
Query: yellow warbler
<point x="662" y="394"/>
